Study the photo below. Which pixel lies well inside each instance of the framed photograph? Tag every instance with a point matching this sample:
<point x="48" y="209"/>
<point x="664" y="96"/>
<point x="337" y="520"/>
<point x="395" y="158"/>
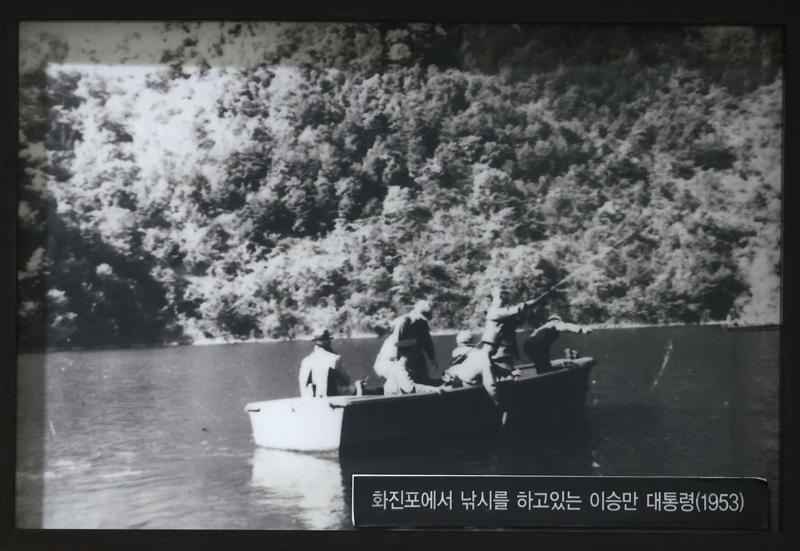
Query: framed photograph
<point x="355" y="276"/>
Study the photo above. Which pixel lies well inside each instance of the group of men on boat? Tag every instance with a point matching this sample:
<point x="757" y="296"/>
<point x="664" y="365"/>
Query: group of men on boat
<point x="408" y="353"/>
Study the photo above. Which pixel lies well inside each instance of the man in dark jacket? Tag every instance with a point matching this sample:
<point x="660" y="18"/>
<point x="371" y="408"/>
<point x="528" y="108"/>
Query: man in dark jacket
<point x="414" y="342"/>
<point x="537" y="345"/>
<point x="404" y="357"/>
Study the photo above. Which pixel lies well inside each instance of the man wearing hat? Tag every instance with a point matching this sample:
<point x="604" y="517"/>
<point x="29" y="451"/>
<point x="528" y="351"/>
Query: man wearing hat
<point x="537" y="345"/>
<point x="320" y="372"/>
<point x="405" y="354"/>
<point x="493" y="358"/>
<point x="471" y="364"/>
<point x="464" y="345"/>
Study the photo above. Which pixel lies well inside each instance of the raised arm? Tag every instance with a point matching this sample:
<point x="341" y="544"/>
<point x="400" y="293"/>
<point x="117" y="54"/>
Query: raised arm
<point x="570" y="327"/>
<point x="497" y="312"/>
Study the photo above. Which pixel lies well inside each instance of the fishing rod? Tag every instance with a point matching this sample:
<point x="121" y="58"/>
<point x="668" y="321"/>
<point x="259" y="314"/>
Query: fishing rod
<point x="575" y="272"/>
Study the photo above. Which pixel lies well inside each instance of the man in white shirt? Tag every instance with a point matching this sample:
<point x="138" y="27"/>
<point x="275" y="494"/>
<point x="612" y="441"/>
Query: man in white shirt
<point x="320" y="372"/>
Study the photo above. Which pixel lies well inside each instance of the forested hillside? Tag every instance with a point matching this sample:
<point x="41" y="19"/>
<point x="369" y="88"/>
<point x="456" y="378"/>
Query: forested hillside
<point x="183" y="182"/>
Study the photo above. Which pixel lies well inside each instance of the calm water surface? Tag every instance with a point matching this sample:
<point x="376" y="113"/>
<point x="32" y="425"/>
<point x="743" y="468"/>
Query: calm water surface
<point x="158" y="438"/>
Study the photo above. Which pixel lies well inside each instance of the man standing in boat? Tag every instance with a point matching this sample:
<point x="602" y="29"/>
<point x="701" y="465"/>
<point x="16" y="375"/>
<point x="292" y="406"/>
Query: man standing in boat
<point x="537" y="345"/>
<point x="321" y="374"/>
<point x="494" y="358"/>
<point x="500" y="331"/>
<point x="404" y="357"/>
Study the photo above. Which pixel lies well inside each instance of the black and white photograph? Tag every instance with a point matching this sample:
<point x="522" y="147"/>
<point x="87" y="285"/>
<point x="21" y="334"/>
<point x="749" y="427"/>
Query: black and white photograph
<point x="258" y="258"/>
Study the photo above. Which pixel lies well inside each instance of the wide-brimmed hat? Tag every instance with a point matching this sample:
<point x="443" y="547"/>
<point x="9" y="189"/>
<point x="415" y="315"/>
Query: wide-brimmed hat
<point x="554" y="317"/>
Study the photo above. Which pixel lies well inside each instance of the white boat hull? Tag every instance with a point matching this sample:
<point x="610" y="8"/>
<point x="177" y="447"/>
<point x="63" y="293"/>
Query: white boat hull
<point x="323" y="424"/>
<point x="303" y="424"/>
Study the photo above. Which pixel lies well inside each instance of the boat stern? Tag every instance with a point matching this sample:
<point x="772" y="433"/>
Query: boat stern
<point x="301" y="424"/>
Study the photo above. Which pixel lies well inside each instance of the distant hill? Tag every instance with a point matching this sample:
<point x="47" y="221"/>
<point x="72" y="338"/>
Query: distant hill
<point x="258" y="180"/>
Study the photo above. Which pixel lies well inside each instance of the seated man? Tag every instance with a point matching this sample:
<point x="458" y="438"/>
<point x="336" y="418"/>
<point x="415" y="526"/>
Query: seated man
<point x="474" y="368"/>
<point x="474" y="365"/>
<point x="477" y="367"/>
<point x="537" y="345"/>
<point x="464" y="345"/>
<point x="321" y="374"/>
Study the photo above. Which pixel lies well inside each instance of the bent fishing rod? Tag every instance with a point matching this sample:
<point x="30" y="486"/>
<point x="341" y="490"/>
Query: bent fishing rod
<point x="533" y="301"/>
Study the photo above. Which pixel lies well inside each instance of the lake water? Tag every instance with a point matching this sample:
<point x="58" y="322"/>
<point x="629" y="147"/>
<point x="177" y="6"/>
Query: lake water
<point x="158" y="438"/>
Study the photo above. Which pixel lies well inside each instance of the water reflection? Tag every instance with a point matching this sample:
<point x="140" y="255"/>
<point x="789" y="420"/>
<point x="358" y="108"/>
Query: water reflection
<point x="309" y="485"/>
<point x="316" y="488"/>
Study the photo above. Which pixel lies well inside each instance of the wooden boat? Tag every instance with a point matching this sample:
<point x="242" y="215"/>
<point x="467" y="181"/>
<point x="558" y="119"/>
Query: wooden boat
<point x="320" y="424"/>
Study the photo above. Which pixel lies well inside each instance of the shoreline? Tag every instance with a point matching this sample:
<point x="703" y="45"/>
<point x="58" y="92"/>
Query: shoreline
<point x="453" y="332"/>
<point x="450" y="331"/>
<point x="360" y="336"/>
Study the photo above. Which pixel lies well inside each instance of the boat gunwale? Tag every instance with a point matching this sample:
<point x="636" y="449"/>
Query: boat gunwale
<point x="336" y="402"/>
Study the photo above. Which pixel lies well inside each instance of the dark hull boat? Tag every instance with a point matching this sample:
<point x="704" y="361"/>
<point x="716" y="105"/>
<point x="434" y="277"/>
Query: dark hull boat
<point x="319" y="424"/>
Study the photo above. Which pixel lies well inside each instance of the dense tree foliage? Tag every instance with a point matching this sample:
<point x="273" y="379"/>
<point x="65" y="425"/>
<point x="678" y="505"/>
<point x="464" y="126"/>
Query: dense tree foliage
<point x="256" y="180"/>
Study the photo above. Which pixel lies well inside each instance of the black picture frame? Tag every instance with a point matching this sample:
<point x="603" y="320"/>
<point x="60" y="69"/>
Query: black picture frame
<point x="737" y="12"/>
